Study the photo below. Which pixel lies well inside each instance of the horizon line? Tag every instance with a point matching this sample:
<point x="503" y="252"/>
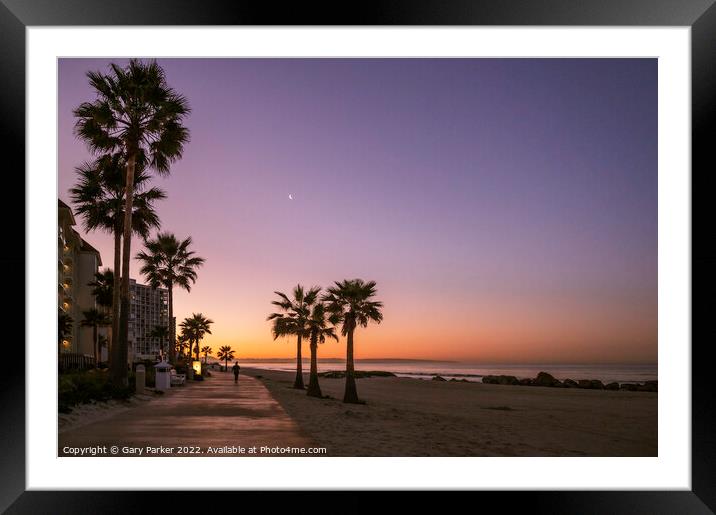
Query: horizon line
<point x="465" y="361"/>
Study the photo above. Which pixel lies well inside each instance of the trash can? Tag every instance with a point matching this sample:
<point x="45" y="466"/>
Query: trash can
<point x="162" y="377"/>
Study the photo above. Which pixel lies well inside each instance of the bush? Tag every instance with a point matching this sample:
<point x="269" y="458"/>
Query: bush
<point x="84" y="387"/>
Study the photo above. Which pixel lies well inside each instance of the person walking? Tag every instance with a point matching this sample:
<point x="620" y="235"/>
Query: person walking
<point x="236" y="369"/>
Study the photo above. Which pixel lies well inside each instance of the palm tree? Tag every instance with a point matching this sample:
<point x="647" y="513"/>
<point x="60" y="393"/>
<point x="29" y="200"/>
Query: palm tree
<point x="136" y="113"/>
<point x="161" y="332"/>
<point x="225" y="353"/>
<point x="350" y="301"/>
<point x="98" y="197"/>
<point x="102" y="288"/>
<point x="64" y="327"/>
<point x="319" y="330"/>
<point x="206" y="351"/>
<point x="183" y="340"/>
<point x="95" y="318"/>
<point x="196" y="327"/>
<point x="169" y="262"/>
<point x="292" y="321"/>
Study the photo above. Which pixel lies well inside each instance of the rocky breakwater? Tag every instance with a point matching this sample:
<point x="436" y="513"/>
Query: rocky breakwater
<point x="546" y="379"/>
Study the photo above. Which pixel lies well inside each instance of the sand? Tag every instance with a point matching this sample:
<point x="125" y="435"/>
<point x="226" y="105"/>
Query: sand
<point x="83" y="414"/>
<point x="412" y="417"/>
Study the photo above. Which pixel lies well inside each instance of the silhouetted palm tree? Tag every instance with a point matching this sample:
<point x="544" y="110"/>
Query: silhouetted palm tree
<point x="138" y="114"/>
<point x="169" y="262"/>
<point x="206" y="351"/>
<point x="102" y="288"/>
<point x="196" y="327"/>
<point x="98" y="198"/>
<point x="292" y="321"/>
<point x="183" y="341"/>
<point x="351" y="301"/>
<point x="95" y="319"/>
<point x="161" y="332"/>
<point x="225" y="353"/>
<point x="319" y="330"/>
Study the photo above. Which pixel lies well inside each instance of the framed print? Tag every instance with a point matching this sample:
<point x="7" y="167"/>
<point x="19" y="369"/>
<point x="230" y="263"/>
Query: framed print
<point x="428" y="247"/>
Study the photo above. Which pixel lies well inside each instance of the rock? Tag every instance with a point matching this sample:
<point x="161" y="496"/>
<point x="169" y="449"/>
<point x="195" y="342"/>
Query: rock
<point x="373" y="373"/>
<point x="358" y="374"/>
<point x="500" y="380"/>
<point x="584" y="383"/>
<point x="544" y="379"/>
<point x="526" y="382"/>
<point x="649" y="386"/>
<point x="439" y="378"/>
<point x="334" y="374"/>
<point x="628" y="386"/>
<point x="569" y="383"/>
<point x="557" y="384"/>
<point x="612" y="386"/>
<point x="597" y="384"/>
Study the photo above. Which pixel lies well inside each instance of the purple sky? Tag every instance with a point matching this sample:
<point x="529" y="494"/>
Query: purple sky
<point x="507" y="208"/>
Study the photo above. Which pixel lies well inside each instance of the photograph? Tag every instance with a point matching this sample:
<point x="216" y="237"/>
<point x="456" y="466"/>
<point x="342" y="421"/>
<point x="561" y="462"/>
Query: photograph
<point x="351" y="257"/>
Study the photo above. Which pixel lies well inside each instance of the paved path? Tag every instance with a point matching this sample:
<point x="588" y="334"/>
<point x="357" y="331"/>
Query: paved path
<point x="213" y="413"/>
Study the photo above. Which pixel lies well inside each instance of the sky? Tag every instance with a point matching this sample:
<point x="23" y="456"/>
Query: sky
<point x="506" y="208"/>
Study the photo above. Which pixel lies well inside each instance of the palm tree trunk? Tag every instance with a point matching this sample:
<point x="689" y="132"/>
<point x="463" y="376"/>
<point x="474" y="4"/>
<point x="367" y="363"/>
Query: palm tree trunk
<point x="351" y="394"/>
<point x="298" y="383"/>
<point x="115" y="289"/>
<point x="172" y="329"/>
<point x="119" y="361"/>
<point x="314" y="390"/>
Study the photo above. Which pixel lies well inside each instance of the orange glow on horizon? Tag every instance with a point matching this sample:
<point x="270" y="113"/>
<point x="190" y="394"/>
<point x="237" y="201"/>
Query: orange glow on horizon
<point x="549" y="332"/>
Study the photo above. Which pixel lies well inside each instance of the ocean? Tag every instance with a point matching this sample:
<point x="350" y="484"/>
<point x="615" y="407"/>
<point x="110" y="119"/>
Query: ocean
<point x="471" y="371"/>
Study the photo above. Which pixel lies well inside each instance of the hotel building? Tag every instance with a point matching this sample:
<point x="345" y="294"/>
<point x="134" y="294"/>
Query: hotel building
<point x="148" y="308"/>
<point x="77" y="264"/>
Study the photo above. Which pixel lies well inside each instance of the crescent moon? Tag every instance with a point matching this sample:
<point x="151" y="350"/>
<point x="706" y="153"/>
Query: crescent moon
<point x="290" y="196"/>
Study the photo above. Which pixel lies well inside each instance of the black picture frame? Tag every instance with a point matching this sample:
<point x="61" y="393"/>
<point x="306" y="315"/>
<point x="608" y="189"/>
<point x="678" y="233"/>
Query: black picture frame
<point x="699" y="15"/>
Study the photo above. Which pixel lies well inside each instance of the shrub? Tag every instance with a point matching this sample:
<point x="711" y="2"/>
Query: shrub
<point x="87" y="386"/>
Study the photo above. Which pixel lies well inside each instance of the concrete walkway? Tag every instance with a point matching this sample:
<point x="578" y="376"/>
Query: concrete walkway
<point x="213" y="413"/>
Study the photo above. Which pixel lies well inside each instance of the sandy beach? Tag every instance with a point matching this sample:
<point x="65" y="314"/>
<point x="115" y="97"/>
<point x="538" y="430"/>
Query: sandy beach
<point x="84" y="414"/>
<point x="412" y="417"/>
